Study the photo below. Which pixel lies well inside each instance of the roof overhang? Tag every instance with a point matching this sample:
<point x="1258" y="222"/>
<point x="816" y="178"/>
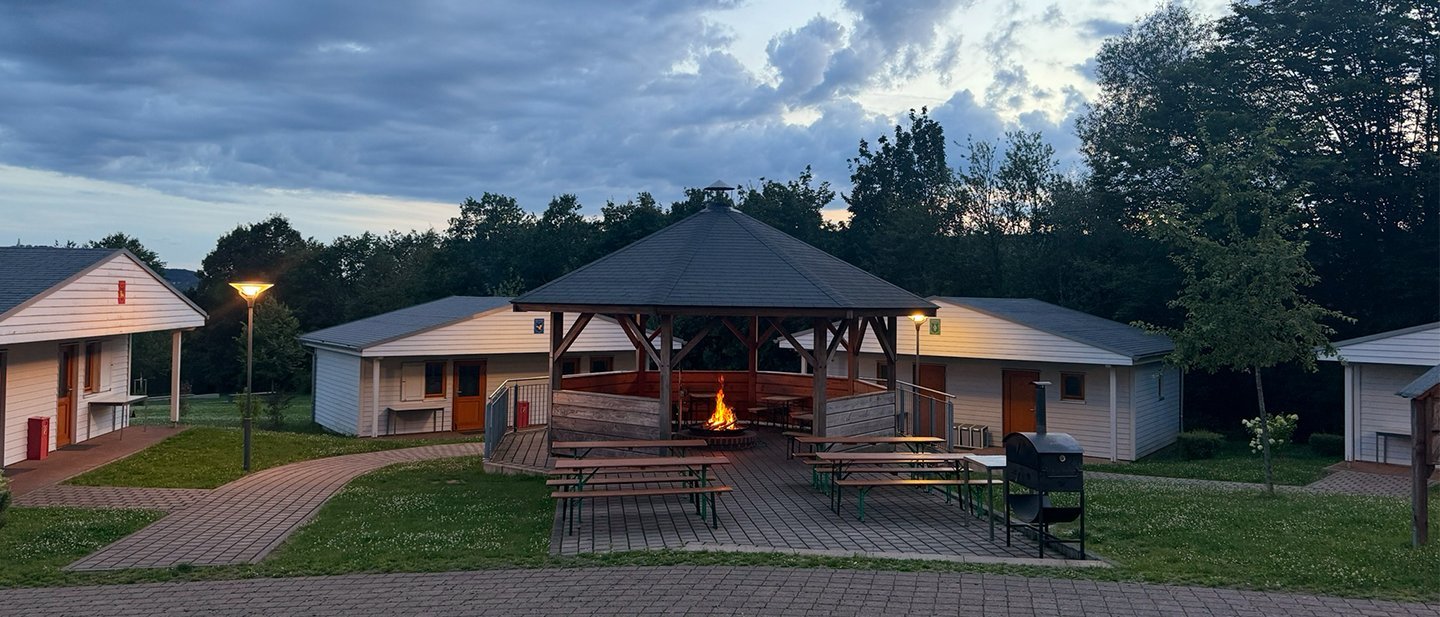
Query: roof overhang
<point x="730" y="311"/>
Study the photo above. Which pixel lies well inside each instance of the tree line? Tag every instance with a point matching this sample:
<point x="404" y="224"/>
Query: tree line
<point x="1314" y="121"/>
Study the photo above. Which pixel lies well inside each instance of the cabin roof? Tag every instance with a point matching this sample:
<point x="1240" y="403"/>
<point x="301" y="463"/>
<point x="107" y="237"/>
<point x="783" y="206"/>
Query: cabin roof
<point x="29" y="271"/>
<point x="404" y="322"/>
<point x="1422" y="384"/>
<point x="1081" y="327"/>
<point x="722" y="261"/>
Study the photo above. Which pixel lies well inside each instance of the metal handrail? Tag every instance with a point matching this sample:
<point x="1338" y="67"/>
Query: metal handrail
<point x="918" y="388"/>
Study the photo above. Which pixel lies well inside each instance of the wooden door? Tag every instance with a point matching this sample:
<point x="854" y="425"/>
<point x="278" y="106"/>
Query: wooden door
<point x="1019" y="401"/>
<point x="932" y="406"/>
<point x="468" y="408"/>
<point x="65" y="395"/>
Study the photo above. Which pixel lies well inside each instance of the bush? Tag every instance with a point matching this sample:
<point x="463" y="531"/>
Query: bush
<point x="275" y="405"/>
<point x="1199" y="444"/>
<point x="4" y="498"/>
<point x="1325" y="444"/>
<point x="1282" y="427"/>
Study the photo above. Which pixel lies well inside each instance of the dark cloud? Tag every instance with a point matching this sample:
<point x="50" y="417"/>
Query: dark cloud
<point x="437" y="100"/>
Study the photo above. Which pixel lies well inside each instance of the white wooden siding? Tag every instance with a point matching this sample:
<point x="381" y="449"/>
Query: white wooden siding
<point x="1157" y="406"/>
<point x="88" y="307"/>
<point x="32" y="374"/>
<point x="498" y="369"/>
<point x="337" y="387"/>
<point x="1379" y="409"/>
<point x="1420" y="348"/>
<point x="503" y="331"/>
<point x="966" y="333"/>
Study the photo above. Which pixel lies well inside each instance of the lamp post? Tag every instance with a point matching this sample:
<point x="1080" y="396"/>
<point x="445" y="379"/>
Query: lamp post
<point x="915" y="367"/>
<point x="250" y="291"/>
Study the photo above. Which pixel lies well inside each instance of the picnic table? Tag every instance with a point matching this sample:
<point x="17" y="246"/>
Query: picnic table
<point x="824" y="444"/>
<point x="990" y="463"/>
<point x="915" y="464"/>
<point x="696" y="474"/>
<point x="778" y="406"/>
<point x="581" y="449"/>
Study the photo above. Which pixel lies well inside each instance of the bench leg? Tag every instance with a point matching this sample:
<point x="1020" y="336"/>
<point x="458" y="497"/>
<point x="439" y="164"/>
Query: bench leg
<point x="863" y="491"/>
<point x="714" y="513"/>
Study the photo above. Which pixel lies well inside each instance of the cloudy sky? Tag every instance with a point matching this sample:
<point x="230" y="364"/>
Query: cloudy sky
<point x="176" y="121"/>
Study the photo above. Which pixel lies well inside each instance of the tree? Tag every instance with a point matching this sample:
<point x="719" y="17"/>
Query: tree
<point x="280" y="364"/>
<point x="623" y="224"/>
<point x="900" y="202"/>
<point x="1244" y="269"/>
<point x="271" y="250"/>
<point x="793" y="207"/>
<point x="119" y="240"/>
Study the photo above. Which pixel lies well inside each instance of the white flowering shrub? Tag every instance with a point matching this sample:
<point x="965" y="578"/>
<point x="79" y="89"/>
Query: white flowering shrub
<point x="1282" y="427"/>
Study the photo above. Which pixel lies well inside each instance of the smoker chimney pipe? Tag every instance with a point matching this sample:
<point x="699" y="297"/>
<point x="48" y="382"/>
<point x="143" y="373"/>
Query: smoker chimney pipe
<point x="1040" y="406"/>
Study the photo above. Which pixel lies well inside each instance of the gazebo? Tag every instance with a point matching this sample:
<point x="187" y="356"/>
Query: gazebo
<point x="740" y="276"/>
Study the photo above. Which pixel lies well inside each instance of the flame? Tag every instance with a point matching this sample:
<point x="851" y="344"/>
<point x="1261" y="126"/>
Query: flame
<point x="723" y="418"/>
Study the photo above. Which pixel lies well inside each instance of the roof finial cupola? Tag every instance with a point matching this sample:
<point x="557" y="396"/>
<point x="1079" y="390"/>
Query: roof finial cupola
<point x="717" y="198"/>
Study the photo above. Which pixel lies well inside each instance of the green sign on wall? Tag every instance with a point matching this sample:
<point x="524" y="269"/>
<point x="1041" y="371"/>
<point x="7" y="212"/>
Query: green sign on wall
<point x="935" y="326"/>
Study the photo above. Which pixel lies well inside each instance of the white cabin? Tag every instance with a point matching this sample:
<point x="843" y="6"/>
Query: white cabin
<point x="432" y="367"/>
<point x="1377" y="422"/>
<point x="66" y="316"/>
<point x="1110" y="388"/>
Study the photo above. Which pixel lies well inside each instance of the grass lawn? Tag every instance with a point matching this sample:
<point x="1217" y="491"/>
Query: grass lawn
<point x="36" y="542"/>
<point x="450" y="515"/>
<point x="1234" y="462"/>
<point x="207" y="457"/>
<point x="225" y="412"/>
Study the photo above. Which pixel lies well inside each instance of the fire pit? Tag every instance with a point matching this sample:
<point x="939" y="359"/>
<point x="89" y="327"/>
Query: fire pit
<point x="722" y="431"/>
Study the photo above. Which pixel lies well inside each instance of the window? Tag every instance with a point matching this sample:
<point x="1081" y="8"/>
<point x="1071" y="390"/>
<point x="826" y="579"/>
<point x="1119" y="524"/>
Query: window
<point x="92" y="366"/>
<point x="602" y="364"/>
<point x="569" y="366"/>
<point x="1072" y="386"/>
<point x="434" y="380"/>
<point x="882" y="372"/>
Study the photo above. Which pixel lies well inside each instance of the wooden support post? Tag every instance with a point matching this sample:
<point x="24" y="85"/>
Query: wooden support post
<point x="1420" y="470"/>
<point x="752" y="358"/>
<point x="821" y="367"/>
<point x="375" y="397"/>
<point x="174" y="378"/>
<point x="557" y="335"/>
<point x="891" y="355"/>
<point x="852" y="353"/>
<point x="641" y="360"/>
<point x="667" y="344"/>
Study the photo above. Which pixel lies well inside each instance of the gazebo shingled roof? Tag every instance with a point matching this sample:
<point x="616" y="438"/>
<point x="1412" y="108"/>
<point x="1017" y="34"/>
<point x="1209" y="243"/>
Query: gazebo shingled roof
<point x="721" y="261"/>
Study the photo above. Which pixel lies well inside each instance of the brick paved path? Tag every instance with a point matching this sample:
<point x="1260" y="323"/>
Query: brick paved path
<point x="774" y="507"/>
<point x="168" y="499"/>
<point x="682" y="590"/>
<point x="244" y="520"/>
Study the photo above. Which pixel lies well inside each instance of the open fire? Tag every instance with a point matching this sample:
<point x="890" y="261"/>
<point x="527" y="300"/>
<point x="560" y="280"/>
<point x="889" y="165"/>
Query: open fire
<point x="723" y="418"/>
<point x="722" y="429"/>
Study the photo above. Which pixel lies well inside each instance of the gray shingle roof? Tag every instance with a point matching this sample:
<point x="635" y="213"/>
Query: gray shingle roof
<point x="1422" y="384"/>
<point x="1112" y="336"/>
<point x="722" y="258"/>
<point x="28" y="271"/>
<point x="385" y="327"/>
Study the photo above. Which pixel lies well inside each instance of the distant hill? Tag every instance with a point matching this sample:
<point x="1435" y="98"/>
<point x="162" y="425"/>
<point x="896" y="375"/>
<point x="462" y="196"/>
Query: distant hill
<point x="183" y="280"/>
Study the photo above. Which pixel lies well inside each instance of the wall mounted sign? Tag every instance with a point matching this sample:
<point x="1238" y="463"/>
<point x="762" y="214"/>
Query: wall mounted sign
<point x="539" y="325"/>
<point x="934" y="326"/>
<point x="120" y="292"/>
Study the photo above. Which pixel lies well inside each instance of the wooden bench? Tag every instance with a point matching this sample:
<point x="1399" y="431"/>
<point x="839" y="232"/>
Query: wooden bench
<point x="790" y="449"/>
<point x="696" y="491"/>
<point x="618" y="470"/>
<point x="629" y="480"/>
<point x="864" y="486"/>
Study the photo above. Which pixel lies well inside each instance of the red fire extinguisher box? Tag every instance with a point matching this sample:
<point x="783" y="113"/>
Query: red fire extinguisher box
<point x="37" y="439"/>
<point x="522" y="414"/>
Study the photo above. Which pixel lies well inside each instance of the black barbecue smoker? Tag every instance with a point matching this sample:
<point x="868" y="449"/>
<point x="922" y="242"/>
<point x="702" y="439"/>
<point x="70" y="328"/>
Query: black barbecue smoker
<point x="1038" y="465"/>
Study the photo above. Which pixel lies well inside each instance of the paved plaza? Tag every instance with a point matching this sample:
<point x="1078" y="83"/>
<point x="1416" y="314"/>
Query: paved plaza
<point x="684" y="590"/>
<point x="774" y="507"/>
<point x="244" y="520"/>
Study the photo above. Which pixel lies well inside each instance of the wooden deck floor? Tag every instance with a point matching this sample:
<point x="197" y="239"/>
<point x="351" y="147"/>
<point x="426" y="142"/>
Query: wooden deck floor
<point x="527" y="450"/>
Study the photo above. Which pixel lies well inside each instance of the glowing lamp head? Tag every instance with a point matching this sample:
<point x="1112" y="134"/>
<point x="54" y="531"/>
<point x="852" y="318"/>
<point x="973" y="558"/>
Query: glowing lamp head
<point x="919" y="318"/>
<point x="251" y="290"/>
